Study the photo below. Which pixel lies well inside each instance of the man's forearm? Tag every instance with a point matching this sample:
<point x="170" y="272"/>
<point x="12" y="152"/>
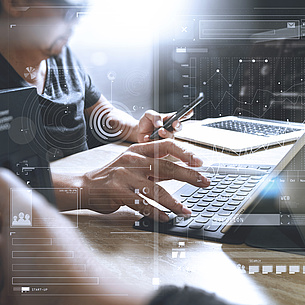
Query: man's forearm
<point x="64" y="200"/>
<point x="128" y="124"/>
<point x="116" y="118"/>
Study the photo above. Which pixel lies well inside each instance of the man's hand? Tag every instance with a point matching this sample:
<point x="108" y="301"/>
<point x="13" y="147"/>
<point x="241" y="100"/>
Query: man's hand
<point x="152" y="120"/>
<point x="133" y="175"/>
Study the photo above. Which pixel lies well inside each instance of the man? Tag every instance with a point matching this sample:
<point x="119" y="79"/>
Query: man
<point x="33" y="52"/>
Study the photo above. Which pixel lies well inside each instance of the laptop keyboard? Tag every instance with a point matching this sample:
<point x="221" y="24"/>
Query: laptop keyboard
<point x="259" y="129"/>
<point x="212" y="207"/>
<point x="217" y="203"/>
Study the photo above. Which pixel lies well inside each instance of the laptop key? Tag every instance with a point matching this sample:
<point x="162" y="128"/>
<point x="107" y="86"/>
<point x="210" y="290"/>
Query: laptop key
<point x="235" y="187"/>
<point x="221" y="187"/>
<point x="251" y="182"/>
<point x="196" y="226"/>
<point x="213" y="227"/>
<point x="232" y="189"/>
<point x="178" y="222"/>
<point x="246" y="189"/>
<point x="218" y="204"/>
<point x="226" y="195"/>
<point x="239" y="193"/>
<point x="202" y="220"/>
<point x="213" y="209"/>
<point x="264" y="168"/>
<point x="197" y="209"/>
<point x="235" y="203"/>
<point x="224" y="214"/>
<point x="198" y="196"/>
<point x="207" y="199"/>
<point x="226" y="182"/>
<point x="217" y="191"/>
<point x="230" y="208"/>
<point x="194" y="214"/>
<point x="238" y="198"/>
<point x="219" y="218"/>
<point x="188" y="190"/>
<point x="222" y="200"/>
<point x="207" y="214"/>
<point x="192" y="200"/>
<point x="203" y="191"/>
<point x="213" y="195"/>
<point x="256" y="178"/>
<point x="203" y="204"/>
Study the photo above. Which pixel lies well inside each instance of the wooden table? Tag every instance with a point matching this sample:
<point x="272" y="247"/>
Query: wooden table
<point x="152" y="259"/>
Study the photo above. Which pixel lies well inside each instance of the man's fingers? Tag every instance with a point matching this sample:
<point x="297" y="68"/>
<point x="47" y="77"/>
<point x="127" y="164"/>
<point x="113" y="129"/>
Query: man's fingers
<point x="140" y="204"/>
<point x="161" y="196"/>
<point x="177" y="126"/>
<point x="166" y="170"/>
<point x="154" y="117"/>
<point x="162" y="148"/>
<point x="163" y="133"/>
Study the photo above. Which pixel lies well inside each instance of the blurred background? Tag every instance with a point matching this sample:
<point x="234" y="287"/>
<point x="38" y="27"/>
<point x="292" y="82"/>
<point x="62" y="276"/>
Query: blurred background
<point x="246" y="56"/>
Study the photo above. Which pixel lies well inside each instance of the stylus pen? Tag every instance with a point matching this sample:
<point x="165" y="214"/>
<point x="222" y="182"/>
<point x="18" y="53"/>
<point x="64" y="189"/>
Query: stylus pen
<point x="229" y="170"/>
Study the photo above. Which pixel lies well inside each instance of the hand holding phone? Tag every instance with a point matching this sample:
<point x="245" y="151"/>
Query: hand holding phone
<point x="178" y="115"/>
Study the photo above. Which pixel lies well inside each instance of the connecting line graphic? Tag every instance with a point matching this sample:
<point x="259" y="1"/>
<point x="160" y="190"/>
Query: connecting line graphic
<point x="217" y="72"/>
<point x="254" y="99"/>
<point x="230" y="83"/>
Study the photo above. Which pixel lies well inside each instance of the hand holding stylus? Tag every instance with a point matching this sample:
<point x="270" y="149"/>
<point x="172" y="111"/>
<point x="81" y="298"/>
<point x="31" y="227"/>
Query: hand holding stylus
<point x="173" y="120"/>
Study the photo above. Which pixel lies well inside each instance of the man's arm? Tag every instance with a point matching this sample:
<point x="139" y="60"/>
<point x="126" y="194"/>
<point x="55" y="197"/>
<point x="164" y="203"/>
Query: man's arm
<point x="129" y="128"/>
<point x="138" y="168"/>
<point x="116" y="118"/>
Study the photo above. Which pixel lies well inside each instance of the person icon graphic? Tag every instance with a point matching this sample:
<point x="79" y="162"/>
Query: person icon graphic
<point x="27" y="220"/>
<point x="21" y="218"/>
<point x="15" y="222"/>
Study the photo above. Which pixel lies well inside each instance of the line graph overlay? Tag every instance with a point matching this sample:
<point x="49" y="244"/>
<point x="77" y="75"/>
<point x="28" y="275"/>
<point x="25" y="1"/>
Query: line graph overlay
<point x="254" y="85"/>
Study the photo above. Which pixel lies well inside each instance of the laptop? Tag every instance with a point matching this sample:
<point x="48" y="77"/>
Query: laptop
<point x="240" y="134"/>
<point x="252" y="196"/>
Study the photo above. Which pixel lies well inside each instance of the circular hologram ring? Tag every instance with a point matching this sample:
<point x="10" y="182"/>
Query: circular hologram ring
<point x="137" y="83"/>
<point x="106" y="129"/>
<point x="22" y="130"/>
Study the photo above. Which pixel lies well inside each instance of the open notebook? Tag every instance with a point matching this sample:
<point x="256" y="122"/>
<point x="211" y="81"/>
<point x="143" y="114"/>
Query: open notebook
<point x="240" y="134"/>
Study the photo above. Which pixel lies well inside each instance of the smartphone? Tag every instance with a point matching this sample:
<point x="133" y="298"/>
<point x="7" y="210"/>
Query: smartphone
<point x="179" y="114"/>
